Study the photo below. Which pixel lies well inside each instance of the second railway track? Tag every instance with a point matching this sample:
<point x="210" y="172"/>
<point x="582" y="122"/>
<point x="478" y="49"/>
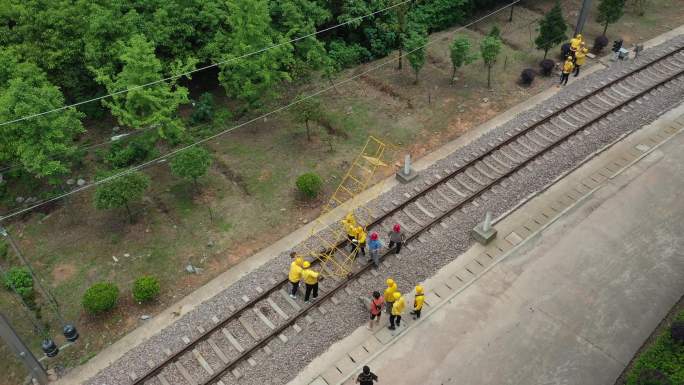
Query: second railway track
<point x="213" y="357"/>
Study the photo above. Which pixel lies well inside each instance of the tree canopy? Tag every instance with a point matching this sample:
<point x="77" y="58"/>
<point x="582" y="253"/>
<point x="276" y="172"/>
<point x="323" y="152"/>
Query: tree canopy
<point x="610" y="11"/>
<point x="191" y="163"/>
<point x="460" y="54"/>
<point x="415" y="42"/>
<point x="142" y="107"/>
<point x="45" y="144"/>
<point x="121" y="192"/>
<point x="490" y="47"/>
<point x="551" y="29"/>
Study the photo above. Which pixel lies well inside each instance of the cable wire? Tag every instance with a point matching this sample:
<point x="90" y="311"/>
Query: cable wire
<point x="177" y="76"/>
<point x="170" y="154"/>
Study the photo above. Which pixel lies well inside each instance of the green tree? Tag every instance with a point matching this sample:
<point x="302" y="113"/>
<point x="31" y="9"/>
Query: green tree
<point x="609" y="12"/>
<point x="460" y="54"/>
<point x="121" y="192"/>
<point x="490" y="47"/>
<point x="150" y="106"/>
<point x="415" y="41"/>
<point x="191" y="163"/>
<point x="551" y="29"/>
<point x="296" y="18"/>
<point x="400" y="27"/>
<point x="43" y="145"/>
<point x="306" y="110"/>
<point x="250" y="78"/>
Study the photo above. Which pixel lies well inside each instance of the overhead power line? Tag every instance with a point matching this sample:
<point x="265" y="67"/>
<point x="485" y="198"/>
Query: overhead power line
<point x="177" y="76"/>
<point x="170" y="154"/>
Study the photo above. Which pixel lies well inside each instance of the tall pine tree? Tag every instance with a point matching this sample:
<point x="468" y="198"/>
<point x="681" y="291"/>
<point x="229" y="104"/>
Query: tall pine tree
<point x="551" y="30"/>
<point x="610" y="11"/>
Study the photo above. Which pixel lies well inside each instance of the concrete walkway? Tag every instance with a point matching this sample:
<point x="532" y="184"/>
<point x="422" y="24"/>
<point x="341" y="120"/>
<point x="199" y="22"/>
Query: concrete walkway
<point x="570" y="306"/>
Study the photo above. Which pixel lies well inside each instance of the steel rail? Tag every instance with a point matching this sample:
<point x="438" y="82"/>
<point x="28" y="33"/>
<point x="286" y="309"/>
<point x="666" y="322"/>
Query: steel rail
<point x="248" y="352"/>
<point x="253" y="302"/>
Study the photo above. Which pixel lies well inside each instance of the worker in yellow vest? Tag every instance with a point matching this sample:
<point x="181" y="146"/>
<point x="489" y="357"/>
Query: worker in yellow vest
<point x="580" y="59"/>
<point x="566" y="70"/>
<point x="360" y="241"/>
<point x="295" y="275"/>
<point x="310" y="278"/>
<point x="349" y="224"/>
<point x="575" y="44"/>
<point x="397" y="310"/>
<point x="389" y="295"/>
<point x="418" y="301"/>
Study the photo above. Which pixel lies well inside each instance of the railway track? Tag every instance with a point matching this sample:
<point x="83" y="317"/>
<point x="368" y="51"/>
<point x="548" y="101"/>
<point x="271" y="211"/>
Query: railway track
<point x="214" y="356"/>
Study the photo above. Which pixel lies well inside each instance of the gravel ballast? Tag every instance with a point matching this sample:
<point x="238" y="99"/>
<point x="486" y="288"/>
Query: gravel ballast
<point x="442" y="245"/>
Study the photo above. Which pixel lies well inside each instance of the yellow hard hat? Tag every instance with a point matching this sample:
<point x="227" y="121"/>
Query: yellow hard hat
<point x="569" y="58"/>
<point x="299" y="261"/>
<point x="389" y="282"/>
<point x="419" y="289"/>
<point x="307" y="264"/>
<point x="397" y="295"/>
<point x="579" y="35"/>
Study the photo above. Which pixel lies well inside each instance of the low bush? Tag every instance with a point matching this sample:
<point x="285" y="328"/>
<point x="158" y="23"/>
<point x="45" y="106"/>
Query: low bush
<point x="600" y="43"/>
<point x="309" y="184"/>
<point x="100" y="298"/>
<point x="145" y="289"/>
<point x="122" y="154"/>
<point x="346" y="55"/>
<point x="527" y="76"/>
<point x="19" y="279"/>
<point x="547" y="66"/>
<point x="660" y="363"/>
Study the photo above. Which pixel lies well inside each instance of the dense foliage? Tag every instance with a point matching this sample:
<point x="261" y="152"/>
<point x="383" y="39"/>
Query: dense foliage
<point x="100" y="298"/>
<point x="56" y="52"/>
<point x="145" y="289"/>
<point x="661" y="363"/>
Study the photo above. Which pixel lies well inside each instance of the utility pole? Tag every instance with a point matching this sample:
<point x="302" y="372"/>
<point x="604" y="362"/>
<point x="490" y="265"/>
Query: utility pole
<point x="15" y="344"/>
<point x="584" y="13"/>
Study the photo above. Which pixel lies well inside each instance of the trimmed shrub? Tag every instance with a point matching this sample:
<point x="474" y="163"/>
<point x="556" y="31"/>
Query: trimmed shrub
<point x="19" y="279"/>
<point x="600" y="43"/>
<point x="677" y="331"/>
<point x="309" y="184"/>
<point x="547" y="66"/>
<point x="100" y="298"/>
<point x="145" y="289"/>
<point x="527" y="76"/>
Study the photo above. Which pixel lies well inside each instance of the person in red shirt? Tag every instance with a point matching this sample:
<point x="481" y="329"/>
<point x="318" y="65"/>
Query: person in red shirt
<point x="375" y="309"/>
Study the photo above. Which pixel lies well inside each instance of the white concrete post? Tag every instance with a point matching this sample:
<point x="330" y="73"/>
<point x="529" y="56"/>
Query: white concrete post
<point x="487" y="225"/>
<point x="407" y="164"/>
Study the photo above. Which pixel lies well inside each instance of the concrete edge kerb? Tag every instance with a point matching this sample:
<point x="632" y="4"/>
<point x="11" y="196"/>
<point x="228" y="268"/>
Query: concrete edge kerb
<point x="533" y="237"/>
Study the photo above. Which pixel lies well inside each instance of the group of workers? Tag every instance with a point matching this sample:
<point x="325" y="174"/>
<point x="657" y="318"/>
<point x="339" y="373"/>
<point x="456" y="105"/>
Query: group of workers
<point x="575" y="59"/>
<point x="394" y="303"/>
<point x="300" y="270"/>
<point x="357" y="239"/>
